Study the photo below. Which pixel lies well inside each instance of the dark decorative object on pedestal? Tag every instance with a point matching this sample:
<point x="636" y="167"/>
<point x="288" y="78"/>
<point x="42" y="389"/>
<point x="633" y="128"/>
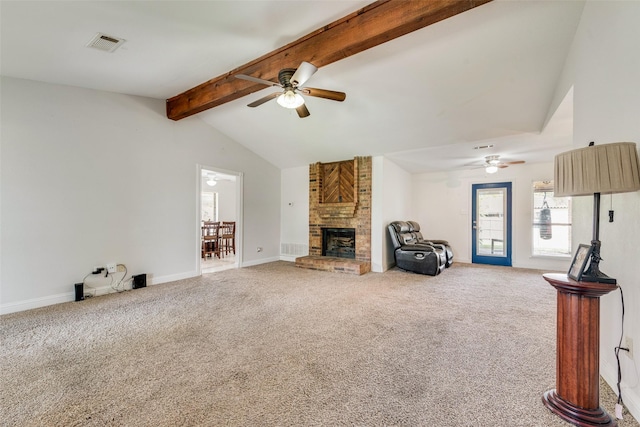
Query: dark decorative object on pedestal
<point x="580" y="260"/>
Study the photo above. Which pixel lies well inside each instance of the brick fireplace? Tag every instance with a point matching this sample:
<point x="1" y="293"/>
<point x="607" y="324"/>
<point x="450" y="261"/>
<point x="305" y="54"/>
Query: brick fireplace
<point x="340" y="198"/>
<point x="339" y="242"/>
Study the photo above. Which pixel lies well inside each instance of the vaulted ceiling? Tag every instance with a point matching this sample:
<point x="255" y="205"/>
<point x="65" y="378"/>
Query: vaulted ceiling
<point x="487" y="76"/>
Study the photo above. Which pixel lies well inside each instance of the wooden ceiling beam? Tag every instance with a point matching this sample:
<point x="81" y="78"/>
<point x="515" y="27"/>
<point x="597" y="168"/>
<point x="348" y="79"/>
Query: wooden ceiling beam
<point x="370" y="26"/>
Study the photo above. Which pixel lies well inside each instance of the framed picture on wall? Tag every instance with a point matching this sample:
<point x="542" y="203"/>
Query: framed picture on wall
<point x="579" y="262"/>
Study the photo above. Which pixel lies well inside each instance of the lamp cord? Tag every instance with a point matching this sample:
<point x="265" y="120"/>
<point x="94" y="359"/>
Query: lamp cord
<point x="618" y="348"/>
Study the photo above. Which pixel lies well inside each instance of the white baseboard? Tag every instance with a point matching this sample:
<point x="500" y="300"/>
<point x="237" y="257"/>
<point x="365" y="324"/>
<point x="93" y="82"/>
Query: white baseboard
<point x="96" y="291"/>
<point x="14" y="307"/>
<point x="629" y="396"/>
<point x="151" y="280"/>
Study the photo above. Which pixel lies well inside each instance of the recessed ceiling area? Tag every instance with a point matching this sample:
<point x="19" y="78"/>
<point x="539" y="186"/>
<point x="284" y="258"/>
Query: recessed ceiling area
<point x="488" y="76"/>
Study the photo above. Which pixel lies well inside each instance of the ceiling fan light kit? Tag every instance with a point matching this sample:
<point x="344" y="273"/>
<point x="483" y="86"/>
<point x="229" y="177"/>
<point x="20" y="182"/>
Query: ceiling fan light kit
<point x="291" y="80"/>
<point x="493" y="160"/>
<point x="290" y="99"/>
<point x="213" y="178"/>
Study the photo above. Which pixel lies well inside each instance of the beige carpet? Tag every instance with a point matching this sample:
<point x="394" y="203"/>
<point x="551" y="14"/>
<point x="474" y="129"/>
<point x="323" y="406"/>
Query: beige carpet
<point x="274" y="345"/>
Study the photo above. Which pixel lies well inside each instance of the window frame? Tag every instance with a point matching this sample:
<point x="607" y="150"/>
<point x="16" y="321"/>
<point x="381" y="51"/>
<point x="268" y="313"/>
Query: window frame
<point x="535" y="225"/>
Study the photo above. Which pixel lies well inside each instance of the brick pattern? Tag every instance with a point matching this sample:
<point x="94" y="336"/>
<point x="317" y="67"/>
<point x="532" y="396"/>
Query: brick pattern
<point x="341" y="215"/>
<point x="334" y="265"/>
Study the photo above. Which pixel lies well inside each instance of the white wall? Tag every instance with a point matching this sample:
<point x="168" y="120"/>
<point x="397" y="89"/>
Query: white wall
<point x="91" y="177"/>
<point x="606" y="61"/>
<point x="294" y="217"/>
<point x="391" y="201"/>
<point x="442" y="207"/>
<point x="227" y="199"/>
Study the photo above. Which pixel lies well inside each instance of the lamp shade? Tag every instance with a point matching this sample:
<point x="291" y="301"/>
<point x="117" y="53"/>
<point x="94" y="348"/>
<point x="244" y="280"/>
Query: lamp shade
<point x="606" y="168"/>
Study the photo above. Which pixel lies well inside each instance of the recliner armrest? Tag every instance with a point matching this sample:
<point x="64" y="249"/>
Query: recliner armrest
<point x="416" y="248"/>
<point x="439" y="242"/>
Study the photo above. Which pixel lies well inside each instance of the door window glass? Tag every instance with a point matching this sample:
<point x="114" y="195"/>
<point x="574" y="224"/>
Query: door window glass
<point x="491" y="230"/>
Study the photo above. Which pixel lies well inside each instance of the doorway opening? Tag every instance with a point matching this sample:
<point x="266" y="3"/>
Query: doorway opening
<point x="219" y="219"/>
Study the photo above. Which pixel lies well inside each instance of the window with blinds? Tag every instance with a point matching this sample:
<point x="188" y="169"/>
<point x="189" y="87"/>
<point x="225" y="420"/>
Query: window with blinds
<point x="551" y="222"/>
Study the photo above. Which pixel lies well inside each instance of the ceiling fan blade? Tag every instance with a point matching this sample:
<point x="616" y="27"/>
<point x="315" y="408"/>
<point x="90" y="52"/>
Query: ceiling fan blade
<point x="502" y="165"/>
<point x="256" y="80"/>
<point x="515" y="162"/>
<point x="324" y="93"/>
<point x="264" y="99"/>
<point x="303" y="111"/>
<point x="303" y="73"/>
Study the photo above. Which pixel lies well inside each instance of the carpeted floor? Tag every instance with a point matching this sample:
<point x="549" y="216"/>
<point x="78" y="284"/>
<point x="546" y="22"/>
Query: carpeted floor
<point x="275" y="345"/>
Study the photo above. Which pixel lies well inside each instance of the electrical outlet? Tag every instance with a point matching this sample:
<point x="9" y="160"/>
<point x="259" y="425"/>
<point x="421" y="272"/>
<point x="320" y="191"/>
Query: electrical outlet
<point x="628" y="343"/>
<point x="112" y="268"/>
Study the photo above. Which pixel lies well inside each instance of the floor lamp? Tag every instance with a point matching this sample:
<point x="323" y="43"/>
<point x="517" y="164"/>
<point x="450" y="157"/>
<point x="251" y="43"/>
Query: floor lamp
<point x="607" y="168"/>
<point x="597" y="169"/>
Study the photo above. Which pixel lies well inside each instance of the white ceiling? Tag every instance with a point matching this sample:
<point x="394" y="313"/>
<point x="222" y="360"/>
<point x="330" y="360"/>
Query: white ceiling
<point x="487" y="76"/>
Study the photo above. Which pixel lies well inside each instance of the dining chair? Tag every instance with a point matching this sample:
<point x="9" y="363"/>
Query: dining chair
<point x="210" y="239"/>
<point x="228" y="236"/>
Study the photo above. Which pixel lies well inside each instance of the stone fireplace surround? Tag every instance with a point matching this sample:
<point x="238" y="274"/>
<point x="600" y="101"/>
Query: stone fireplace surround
<point x="356" y="215"/>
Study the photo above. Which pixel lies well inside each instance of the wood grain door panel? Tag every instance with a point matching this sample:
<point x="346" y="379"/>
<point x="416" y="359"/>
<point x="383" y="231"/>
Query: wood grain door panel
<point x="338" y="183"/>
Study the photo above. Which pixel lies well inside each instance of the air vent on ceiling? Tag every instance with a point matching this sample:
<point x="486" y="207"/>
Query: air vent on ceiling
<point x="105" y="42"/>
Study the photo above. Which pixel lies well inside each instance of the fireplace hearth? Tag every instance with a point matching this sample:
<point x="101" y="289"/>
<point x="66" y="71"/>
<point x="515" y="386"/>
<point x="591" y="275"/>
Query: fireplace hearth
<point x="339" y="242"/>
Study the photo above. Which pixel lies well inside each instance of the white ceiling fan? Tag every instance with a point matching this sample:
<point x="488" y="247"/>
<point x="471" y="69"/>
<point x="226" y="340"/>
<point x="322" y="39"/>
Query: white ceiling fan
<point x="493" y="163"/>
<point x="213" y="178"/>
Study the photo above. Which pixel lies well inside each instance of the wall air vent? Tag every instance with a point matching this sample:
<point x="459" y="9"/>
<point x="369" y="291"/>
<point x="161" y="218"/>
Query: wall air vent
<point x="105" y="42"/>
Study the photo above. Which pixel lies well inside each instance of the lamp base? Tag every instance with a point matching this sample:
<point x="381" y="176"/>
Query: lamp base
<point x="600" y="277"/>
<point x="593" y="273"/>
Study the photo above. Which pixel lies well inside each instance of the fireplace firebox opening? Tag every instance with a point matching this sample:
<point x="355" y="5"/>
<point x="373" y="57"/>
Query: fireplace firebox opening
<point x="339" y="242"/>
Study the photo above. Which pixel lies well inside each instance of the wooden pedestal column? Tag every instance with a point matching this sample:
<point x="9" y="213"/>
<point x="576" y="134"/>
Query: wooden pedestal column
<point x="576" y="398"/>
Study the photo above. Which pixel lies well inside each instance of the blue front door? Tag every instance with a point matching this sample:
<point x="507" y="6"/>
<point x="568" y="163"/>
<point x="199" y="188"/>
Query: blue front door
<point x="491" y="223"/>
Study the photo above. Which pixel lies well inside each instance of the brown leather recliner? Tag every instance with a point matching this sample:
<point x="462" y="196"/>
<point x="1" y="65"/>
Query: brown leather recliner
<point x="414" y="228"/>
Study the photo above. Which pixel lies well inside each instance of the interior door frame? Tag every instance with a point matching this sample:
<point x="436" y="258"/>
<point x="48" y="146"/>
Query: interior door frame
<point x="239" y="209"/>
<point x="493" y="260"/>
